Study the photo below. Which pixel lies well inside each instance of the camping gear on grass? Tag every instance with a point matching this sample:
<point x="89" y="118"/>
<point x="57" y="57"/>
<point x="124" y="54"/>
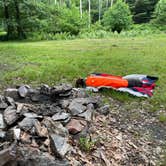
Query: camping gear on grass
<point x="135" y="84"/>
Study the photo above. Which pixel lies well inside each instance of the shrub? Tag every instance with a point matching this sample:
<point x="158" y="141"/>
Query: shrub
<point x="118" y="17"/>
<point x="160" y="13"/>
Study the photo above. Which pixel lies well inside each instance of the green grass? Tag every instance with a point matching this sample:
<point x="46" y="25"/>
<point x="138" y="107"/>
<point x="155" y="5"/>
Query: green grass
<point x="58" y="61"/>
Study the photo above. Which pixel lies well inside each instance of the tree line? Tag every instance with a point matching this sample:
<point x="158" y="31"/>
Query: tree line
<point x="22" y="18"/>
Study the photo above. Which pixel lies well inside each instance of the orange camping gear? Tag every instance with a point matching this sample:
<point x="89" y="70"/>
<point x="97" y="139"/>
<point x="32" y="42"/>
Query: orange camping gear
<point x="109" y="81"/>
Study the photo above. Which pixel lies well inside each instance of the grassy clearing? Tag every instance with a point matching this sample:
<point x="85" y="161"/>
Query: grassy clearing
<point x="58" y="61"/>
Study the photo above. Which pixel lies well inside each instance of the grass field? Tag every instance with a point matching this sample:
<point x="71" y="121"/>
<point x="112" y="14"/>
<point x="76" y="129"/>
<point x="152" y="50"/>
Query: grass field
<point x="60" y="61"/>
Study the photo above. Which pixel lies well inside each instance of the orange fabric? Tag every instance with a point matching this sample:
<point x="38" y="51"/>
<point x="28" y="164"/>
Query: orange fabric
<point x="111" y="81"/>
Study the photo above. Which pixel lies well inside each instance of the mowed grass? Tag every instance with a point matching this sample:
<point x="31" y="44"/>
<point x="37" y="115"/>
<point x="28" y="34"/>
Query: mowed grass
<point x="64" y="61"/>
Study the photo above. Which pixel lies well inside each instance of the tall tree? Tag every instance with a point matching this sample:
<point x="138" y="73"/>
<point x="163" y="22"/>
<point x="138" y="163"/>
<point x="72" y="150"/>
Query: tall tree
<point x="89" y="9"/>
<point x="81" y="8"/>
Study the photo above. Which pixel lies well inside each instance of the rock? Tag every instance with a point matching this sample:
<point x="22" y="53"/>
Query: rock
<point x="32" y="115"/>
<point x="59" y="145"/>
<point x="63" y="90"/>
<point x="76" y="108"/>
<point x="25" y="138"/>
<point x="10" y="115"/>
<point x="61" y="116"/>
<point x="87" y="115"/>
<point x="17" y="133"/>
<point x="49" y="110"/>
<point x="64" y="103"/>
<point x="2" y="135"/>
<point x="3" y="104"/>
<point x="2" y="123"/>
<point x="104" y="110"/>
<point x="45" y="89"/>
<point x="55" y="127"/>
<point x="75" y="126"/>
<point x="27" y="123"/>
<point x="79" y="93"/>
<point x="23" y="91"/>
<point x="13" y="93"/>
<point x="29" y="156"/>
<point x="40" y="130"/>
<point x="19" y="107"/>
<point x="10" y="101"/>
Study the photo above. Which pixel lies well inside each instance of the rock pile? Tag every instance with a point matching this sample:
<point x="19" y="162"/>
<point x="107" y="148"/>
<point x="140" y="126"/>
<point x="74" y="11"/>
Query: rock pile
<point x="36" y="124"/>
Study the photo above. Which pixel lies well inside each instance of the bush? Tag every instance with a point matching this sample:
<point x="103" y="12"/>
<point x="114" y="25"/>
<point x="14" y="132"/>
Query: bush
<point x="160" y="13"/>
<point x="118" y="17"/>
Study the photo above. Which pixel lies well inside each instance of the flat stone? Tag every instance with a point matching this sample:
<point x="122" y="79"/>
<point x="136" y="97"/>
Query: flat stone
<point x="45" y="89"/>
<point x="75" y="126"/>
<point x="32" y="115"/>
<point x="23" y="91"/>
<point x="62" y="90"/>
<point x="59" y="145"/>
<point x="64" y="103"/>
<point x="61" y="116"/>
<point x="25" y="138"/>
<point x="2" y="135"/>
<point x="19" y="107"/>
<point x="87" y="115"/>
<point x="27" y="123"/>
<point x="17" y="133"/>
<point x="3" y="103"/>
<point x="40" y="130"/>
<point x="10" y="115"/>
<point x="54" y="127"/>
<point x="2" y="123"/>
<point x="29" y="156"/>
<point x="10" y="101"/>
<point x="104" y="110"/>
<point x="49" y="110"/>
<point x="76" y="108"/>
<point x="12" y="92"/>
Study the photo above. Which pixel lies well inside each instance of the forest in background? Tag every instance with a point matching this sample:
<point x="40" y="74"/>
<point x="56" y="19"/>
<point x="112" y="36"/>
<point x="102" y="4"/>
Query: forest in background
<point x="67" y="19"/>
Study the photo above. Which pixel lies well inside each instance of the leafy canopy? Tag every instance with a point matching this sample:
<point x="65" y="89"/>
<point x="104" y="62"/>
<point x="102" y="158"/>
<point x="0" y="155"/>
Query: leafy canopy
<point x="118" y="17"/>
<point x="160" y="12"/>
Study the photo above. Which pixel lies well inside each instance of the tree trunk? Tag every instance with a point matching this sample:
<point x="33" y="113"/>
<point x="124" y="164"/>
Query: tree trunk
<point x="7" y="20"/>
<point x="81" y="9"/>
<point x="99" y="10"/>
<point x="112" y="1"/>
<point x="20" y="31"/>
<point x="89" y="4"/>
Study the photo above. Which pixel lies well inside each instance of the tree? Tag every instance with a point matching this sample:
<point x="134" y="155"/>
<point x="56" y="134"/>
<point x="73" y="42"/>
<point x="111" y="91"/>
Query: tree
<point x="160" y="12"/>
<point x="143" y="10"/>
<point x="118" y="17"/>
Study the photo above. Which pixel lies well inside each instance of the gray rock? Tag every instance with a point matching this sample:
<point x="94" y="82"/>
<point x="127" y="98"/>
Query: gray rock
<point x="32" y="115"/>
<point x="2" y="135"/>
<point x="87" y="115"/>
<point x="2" y="123"/>
<point x="76" y="107"/>
<point x="63" y="90"/>
<point x="55" y="127"/>
<point x="45" y="89"/>
<point x="33" y="157"/>
<point x="27" y="123"/>
<point x="10" y="101"/>
<point x="23" y="91"/>
<point x="59" y="145"/>
<point x="61" y="116"/>
<point x="3" y="104"/>
<point x="11" y="92"/>
<point x="104" y="110"/>
<point x="64" y="103"/>
<point x="10" y="115"/>
<point x="49" y="110"/>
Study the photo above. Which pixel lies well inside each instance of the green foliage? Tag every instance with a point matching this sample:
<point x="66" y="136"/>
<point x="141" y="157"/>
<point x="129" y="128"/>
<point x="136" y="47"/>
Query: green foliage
<point x="69" y="21"/>
<point x="118" y="17"/>
<point x="160" y="13"/>
<point x="162" y="117"/>
<point x="86" y="144"/>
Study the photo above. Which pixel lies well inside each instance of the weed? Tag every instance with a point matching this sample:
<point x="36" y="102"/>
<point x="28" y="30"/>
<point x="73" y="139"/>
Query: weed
<point x="86" y="144"/>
